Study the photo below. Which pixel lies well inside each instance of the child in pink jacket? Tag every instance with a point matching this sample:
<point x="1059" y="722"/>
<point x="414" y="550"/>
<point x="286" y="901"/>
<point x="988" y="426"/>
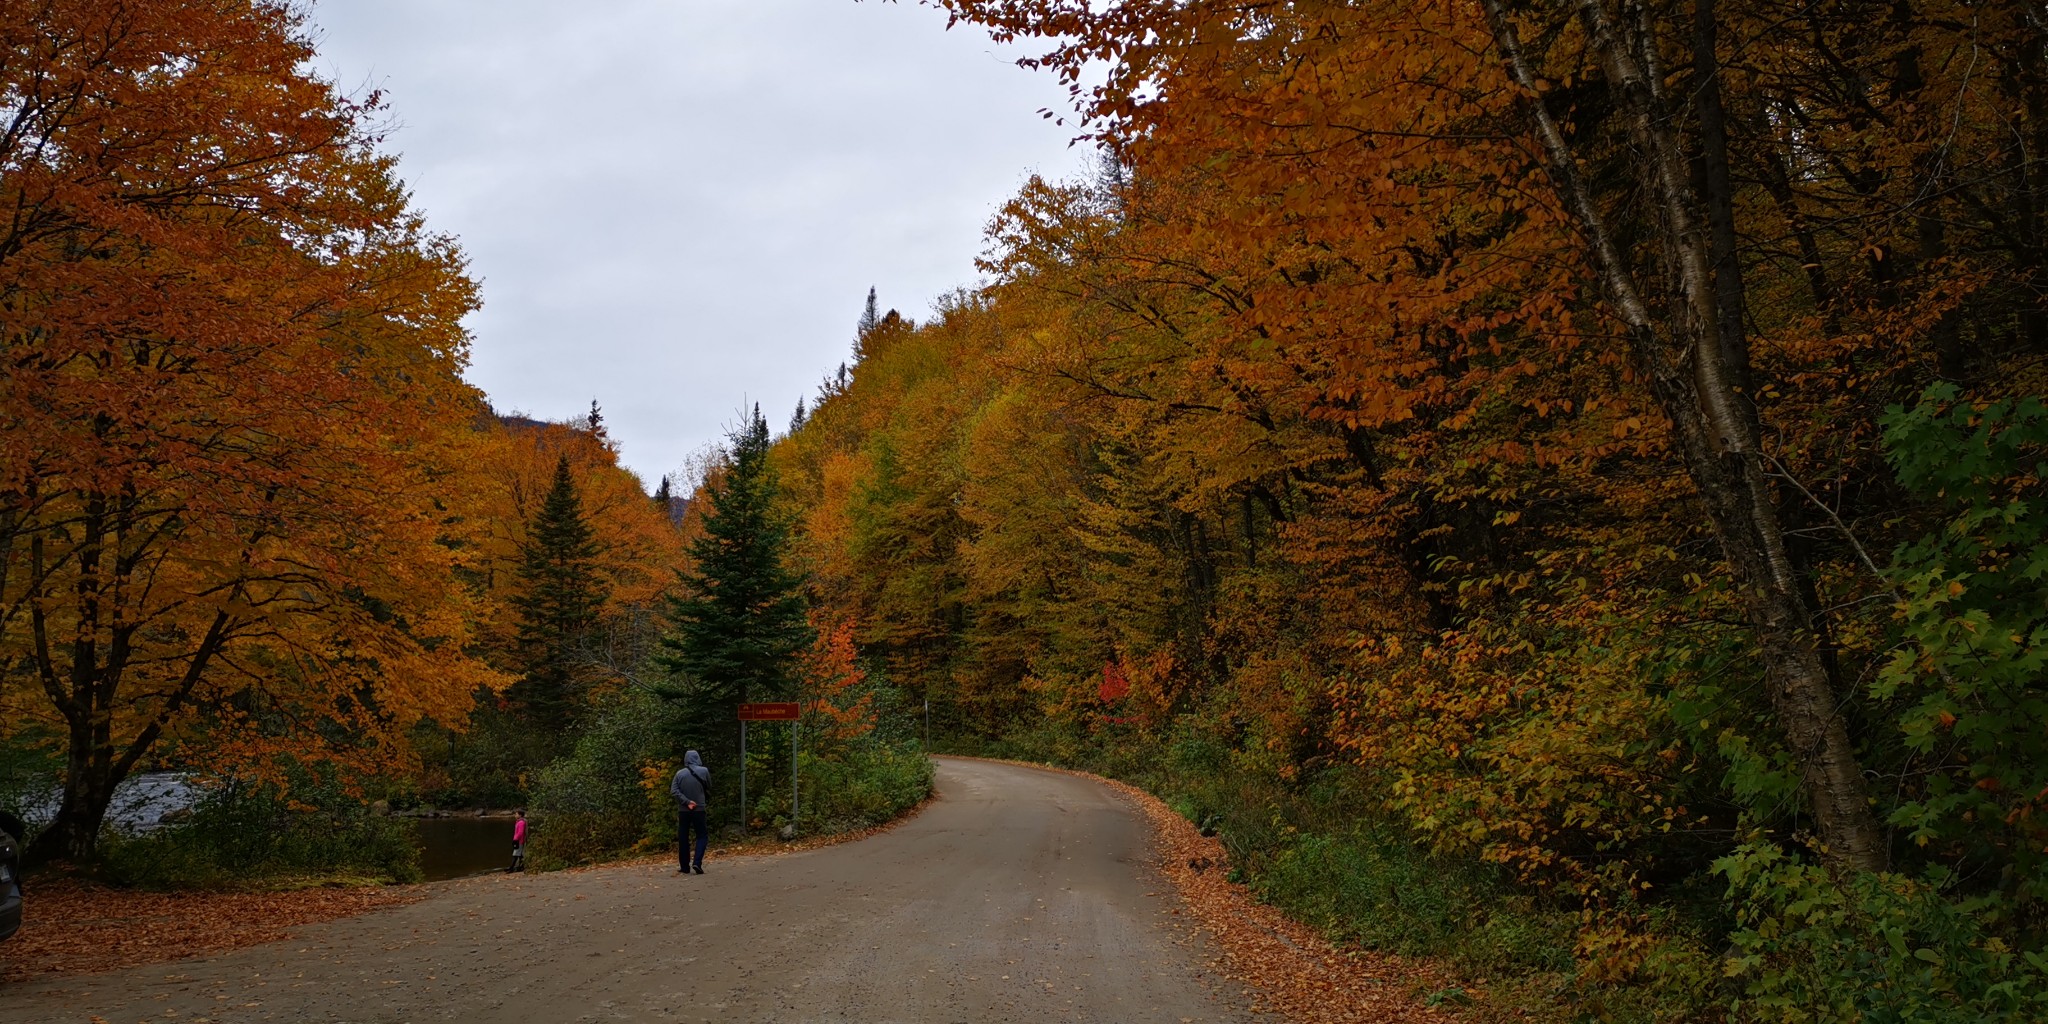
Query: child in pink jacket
<point x="519" y="842"/>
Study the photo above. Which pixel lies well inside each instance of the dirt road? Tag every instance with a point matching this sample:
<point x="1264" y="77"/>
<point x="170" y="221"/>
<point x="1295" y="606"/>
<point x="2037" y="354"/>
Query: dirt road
<point x="1018" y="895"/>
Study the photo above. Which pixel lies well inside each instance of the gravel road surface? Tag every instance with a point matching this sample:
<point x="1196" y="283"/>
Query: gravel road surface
<point x="1018" y="895"/>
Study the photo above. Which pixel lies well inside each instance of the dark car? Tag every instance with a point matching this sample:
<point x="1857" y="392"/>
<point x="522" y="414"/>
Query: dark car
<point x="10" y="874"/>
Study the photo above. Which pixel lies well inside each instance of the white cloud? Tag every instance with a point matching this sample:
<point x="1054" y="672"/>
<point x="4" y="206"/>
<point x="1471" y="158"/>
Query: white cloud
<point x="679" y="205"/>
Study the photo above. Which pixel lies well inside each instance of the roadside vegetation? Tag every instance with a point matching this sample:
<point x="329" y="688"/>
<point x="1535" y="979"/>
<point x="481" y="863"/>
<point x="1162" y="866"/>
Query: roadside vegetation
<point x="255" y="836"/>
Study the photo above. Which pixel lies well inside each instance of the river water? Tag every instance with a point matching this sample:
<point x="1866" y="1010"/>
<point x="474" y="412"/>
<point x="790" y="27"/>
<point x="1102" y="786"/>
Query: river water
<point x="139" y="805"/>
<point x="459" y="847"/>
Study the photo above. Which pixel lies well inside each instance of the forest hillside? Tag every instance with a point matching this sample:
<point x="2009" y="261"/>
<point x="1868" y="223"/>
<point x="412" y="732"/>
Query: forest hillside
<point x="1558" y="485"/>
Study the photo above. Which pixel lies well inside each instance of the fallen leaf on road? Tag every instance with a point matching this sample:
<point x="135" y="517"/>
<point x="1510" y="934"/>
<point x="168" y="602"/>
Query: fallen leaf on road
<point x="75" y="927"/>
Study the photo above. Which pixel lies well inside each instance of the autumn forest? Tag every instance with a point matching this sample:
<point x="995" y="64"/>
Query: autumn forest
<point x="1558" y="486"/>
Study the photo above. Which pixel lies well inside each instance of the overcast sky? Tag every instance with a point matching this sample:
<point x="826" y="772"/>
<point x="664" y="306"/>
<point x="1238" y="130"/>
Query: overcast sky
<point x="677" y="206"/>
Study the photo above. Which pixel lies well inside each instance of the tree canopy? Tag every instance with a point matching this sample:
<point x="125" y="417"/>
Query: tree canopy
<point x="1526" y="409"/>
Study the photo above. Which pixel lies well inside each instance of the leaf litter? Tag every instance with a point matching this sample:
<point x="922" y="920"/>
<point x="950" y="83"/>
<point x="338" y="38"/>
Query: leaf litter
<point x="73" y="926"/>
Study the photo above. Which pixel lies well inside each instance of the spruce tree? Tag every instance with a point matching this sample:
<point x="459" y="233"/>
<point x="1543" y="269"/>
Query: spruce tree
<point x="870" y="318"/>
<point x="561" y="593"/>
<point x="738" y="624"/>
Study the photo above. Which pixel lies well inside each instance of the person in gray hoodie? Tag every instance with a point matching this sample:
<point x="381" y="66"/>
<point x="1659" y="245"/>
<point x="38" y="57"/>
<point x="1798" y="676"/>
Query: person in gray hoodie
<point x="692" y="790"/>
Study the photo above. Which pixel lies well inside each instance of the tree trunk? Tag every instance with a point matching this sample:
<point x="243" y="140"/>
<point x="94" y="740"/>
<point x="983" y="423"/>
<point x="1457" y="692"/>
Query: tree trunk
<point x="1697" y="378"/>
<point x="89" y="781"/>
<point x="1718" y="192"/>
<point x="87" y="689"/>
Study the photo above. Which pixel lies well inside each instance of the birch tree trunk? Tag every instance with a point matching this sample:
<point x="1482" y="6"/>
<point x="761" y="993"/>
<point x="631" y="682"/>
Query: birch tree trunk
<point x="1695" y="357"/>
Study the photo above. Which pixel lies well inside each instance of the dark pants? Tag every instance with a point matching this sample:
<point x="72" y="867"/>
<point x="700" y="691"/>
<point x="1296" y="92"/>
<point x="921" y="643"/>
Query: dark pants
<point x="686" y="821"/>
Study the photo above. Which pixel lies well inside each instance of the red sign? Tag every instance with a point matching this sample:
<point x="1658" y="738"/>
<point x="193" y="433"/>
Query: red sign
<point x="769" y="712"/>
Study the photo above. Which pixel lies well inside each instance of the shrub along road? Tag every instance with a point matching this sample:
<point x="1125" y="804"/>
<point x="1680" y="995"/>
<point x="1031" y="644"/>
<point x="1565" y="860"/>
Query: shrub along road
<point x="1018" y="895"/>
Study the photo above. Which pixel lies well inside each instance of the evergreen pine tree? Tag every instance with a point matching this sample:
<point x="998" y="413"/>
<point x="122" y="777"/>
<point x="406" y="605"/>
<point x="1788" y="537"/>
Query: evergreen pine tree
<point x="797" y="418"/>
<point x="738" y="626"/>
<point x="561" y="596"/>
<point x="870" y="318"/>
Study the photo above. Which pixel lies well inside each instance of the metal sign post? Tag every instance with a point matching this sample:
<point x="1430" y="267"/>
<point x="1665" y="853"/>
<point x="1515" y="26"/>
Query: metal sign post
<point x="779" y="711"/>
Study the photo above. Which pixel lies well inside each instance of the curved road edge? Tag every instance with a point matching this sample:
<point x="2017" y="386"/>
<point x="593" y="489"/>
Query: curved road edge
<point x="1296" y="972"/>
